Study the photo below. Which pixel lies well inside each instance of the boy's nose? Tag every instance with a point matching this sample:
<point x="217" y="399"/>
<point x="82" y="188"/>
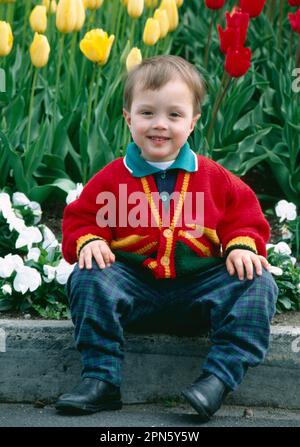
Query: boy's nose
<point x="160" y="123"/>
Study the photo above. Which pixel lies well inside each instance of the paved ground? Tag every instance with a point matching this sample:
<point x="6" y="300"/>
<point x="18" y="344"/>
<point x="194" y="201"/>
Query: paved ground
<point x="151" y="415"/>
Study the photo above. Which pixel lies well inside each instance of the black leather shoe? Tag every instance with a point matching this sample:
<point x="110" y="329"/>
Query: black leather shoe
<point x="206" y="395"/>
<point x="90" y="396"/>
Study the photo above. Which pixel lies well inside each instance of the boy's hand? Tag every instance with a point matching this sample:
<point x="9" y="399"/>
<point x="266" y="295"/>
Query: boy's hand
<point x="100" y="251"/>
<point x="238" y="259"/>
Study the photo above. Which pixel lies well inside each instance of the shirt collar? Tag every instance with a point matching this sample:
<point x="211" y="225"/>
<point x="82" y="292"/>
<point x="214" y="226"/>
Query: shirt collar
<point x="138" y="167"/>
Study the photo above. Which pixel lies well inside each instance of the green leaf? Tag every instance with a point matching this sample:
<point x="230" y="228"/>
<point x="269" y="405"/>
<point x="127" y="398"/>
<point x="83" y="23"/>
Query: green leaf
<point x="285" y="302"/>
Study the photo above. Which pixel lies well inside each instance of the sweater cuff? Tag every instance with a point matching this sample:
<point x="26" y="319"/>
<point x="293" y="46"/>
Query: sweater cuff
<point x="241" y="242"/>
<point x="83" y="240"/>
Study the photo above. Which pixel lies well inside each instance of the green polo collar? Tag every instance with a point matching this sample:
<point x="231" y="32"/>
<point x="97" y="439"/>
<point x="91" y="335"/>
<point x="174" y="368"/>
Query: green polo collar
<point x="138" y="167"/>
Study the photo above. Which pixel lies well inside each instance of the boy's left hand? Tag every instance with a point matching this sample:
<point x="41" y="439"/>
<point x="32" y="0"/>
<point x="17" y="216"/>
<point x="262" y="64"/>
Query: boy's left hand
<point x="239" y="258"/>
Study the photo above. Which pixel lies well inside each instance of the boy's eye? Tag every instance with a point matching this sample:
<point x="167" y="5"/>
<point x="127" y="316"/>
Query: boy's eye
<point x="172" y="114"/>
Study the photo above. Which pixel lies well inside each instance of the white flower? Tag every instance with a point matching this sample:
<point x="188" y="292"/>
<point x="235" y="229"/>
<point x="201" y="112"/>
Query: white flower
<point x="9" y="264"/>
<point x="5" y="203"/>
<point x="277" y="271"/>
<point x="286" y="234"/>
<point x="50" y="243"/>
<point x="298" y="287"/>
<point x="63" y="271"/>
<point x="283" y="248"/>
<point x="27" y="278"/>
<point x="15" y="223"/>
<point x="6" y="289"/>
<point x="49" y="272"/>
<point x="28" y="236"/>
<point x="293" y="260"/>
<point x="49" y="238"/>
<point x="270" y="246"/>
<point x="286" y="210"/>
<point x="34" y="254"/>
<point x="36" y="211"/>
<point x="19" y="199"/>
<point x="74" y="193"/>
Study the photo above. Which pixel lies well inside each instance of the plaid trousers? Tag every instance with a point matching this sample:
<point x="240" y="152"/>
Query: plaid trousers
<point x="236" y="312"/>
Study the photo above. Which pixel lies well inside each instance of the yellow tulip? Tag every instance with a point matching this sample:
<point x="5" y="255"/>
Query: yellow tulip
<point x="39" y="50"/>
<point x="172" y="11"/>
<point x="162" y="17"/>
<point x="6" y="38"/>
<point x="151" y="32"/>
<point x="50" y="5"/>
<point x="80" y="15"/>
<point x="70" y="15"/>
<point x="93" y="4"/>
<point x="134" y="58"/>
<point x="151" y="3"/>
<point x="135" y="8"/>
<point x="179" y="3"/>
<point x="38" y="19"/>
<point x="96" y="45"/>
<point x="53" y="7"/>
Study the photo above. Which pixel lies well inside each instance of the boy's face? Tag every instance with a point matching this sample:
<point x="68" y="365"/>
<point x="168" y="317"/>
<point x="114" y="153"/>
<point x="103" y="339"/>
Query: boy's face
<point x="160" y="121"/>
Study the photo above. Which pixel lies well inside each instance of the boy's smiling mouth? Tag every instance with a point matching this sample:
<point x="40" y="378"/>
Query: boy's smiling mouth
<point x="158" y="138"/>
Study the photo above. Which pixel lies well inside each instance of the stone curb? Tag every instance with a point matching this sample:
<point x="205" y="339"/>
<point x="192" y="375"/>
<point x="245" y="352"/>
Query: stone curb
<point x="39" y="362"/>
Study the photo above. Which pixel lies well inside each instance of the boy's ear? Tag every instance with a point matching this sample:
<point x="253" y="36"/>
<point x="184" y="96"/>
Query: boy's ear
<point x="194" y="121"/>
<point x="127" y="117"/>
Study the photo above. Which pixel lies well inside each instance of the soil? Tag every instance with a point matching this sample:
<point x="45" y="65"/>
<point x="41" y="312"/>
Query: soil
<point x="52" y="217"/>
<point x="260" y="178"/>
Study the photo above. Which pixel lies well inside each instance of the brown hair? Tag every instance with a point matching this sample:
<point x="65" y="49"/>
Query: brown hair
<point x="154" y="72"/>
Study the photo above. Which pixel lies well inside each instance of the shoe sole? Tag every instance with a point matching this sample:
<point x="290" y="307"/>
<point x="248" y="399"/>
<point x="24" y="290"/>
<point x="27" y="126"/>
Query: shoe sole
<point x="205" y="417"/>
<point x="87" y="409"/>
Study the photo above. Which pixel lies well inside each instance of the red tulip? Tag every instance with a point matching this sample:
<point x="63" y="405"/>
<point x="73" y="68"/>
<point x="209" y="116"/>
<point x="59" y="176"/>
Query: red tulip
<point x="252" y="7"/>
<point x="237" y="61"/>
<point x="235" y="33"/>
<point x="294" y="2"/>
<point x="214" y="4"/>
<point x="295" y="21"/>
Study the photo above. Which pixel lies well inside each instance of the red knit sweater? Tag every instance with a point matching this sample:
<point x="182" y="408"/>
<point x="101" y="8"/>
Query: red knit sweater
<point x="232" y="219"/>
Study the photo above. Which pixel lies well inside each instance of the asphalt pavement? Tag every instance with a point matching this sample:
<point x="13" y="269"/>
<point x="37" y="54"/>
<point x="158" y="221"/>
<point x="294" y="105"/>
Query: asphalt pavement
<point x="151" y="415"/>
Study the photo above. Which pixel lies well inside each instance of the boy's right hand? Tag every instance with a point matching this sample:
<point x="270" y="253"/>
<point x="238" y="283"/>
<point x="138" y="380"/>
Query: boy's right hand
<point x="98" y="250"/>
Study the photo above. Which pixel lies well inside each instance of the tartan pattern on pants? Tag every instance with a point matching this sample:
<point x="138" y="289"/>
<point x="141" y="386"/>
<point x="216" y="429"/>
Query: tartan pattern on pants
<point x="238" y="313"/>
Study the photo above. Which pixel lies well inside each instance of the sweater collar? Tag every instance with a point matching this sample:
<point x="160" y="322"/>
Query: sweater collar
<point x="138" y="167"/>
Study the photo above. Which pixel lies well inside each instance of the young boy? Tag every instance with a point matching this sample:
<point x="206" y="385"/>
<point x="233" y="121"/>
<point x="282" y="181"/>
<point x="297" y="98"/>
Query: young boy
<point x="149" y="261"/>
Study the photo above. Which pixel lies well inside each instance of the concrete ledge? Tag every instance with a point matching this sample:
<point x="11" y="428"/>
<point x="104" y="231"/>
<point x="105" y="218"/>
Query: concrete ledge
<point x="39" y="362"/>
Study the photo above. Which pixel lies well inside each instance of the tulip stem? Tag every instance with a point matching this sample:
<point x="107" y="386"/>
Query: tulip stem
<point x="298" y="53"/>
<point x="88" y="125"/>
<point x="121" y="10"/>
<point x="280" y="23"/>
<point x="271" y="10"/>
<point x="25" y="24"/>
<point x="60" y="52"/>
<point x="291" y="43"/>
<point x="10" y="13"/>
<point x="97" y="87"/>
<point x="123" y="24"/>
<point x="30" y="109"/>
<point x="113" y="17"/>
<point x="132" y="32"/>
<point x="71" y="65"/>
<point x="217" y="104"/>
<point x="90" y="100"/>
<point x="209" y="39"/>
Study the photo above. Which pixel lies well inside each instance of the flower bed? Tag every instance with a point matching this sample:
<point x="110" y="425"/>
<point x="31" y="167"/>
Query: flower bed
<point x="33" y="273"/>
